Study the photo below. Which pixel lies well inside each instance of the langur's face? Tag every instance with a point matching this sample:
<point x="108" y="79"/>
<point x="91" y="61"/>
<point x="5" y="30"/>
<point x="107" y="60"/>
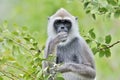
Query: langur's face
<point x="62" y="25"/>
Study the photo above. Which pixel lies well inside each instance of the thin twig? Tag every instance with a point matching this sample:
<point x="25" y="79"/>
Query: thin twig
<point x="21" y="70"/>
<point x="7" y="75"/>
<point x="114" y="44"/>
<point x="110" y="46"/>
<point x="20" y="44"/>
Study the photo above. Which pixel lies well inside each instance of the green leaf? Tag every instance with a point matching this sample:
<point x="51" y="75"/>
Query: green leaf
<point x="98" y="44"/>
<point x="107" y="53"/>
<point x="88" y="40"/>
<point x="39" y="74"/>
<point x="86" y="4"/>
<point x="27" y="38"/>
<point x="51" y="57"/>
<point x="95" y="50"/>
<point x="101" y="53"/>
<point x="32" y="48"/>
<point x="1" y="39"/>
<point x="103" y="10"/>
<point x="59" y="78"/>
<point x="87" y="11"/>
<point x="37" y="60"/>
<point x="117" y="13"/>
<point x="104" y="46"/>
<point x="15" y="33"/>
<point x="93" y="15"/>
<point x="112" y="2"/>
<point x="92" y="34"/>
<point x="35" y="44"/>
<point x="24" y="28"/>
<point x="108" y="39"/>
<point x="91" y="30"/>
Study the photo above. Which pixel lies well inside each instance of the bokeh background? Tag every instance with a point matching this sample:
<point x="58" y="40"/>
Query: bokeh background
<point x="34" y="14"/>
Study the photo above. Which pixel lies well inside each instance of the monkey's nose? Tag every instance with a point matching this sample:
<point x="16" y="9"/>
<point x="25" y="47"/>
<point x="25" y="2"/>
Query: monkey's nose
<point x="62" y="27"/>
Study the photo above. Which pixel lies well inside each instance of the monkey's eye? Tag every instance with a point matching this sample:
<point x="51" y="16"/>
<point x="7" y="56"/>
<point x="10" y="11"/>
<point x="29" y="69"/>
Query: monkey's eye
<point x="68" y="24"/>
<point x="57" y="22"/>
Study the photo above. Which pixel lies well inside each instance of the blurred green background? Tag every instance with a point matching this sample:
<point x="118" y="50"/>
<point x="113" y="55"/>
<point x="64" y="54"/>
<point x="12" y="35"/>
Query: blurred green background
<point x="34" y="14"/>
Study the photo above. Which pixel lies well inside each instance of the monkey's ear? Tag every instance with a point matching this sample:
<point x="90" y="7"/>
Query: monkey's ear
<point x="76" y="18"/>
<point x="48" y="18"/>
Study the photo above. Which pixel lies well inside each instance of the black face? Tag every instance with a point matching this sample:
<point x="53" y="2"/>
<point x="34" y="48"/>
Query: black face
<point x="62" y="26"/>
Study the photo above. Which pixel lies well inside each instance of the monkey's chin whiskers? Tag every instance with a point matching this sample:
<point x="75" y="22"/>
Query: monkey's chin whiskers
<point x="63" y="43"/>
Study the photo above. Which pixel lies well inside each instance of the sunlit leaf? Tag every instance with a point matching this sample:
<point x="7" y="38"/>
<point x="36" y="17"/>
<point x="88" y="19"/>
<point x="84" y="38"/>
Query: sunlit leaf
<point x="86" y="4"/>
<point x="117" y="13"/>
<point x="103" y="10"/>
<point x="101" y="53"/>
<point x="88" y="41"/>
<point x="15" y="33"/>
<point x="93" y="15"/>
<point x="87" y="11"/>
<point x="1" y="39"/>
<point x="39" y="74"/>
<point x="92" y="34"/>
<point x="98" y="44"/>
<point x="95" y="50"/>
<point x="108" y="39"/>
<point x="32" y="48"/>
<point x="27" y="38"/>
<point x="35" y="44"/>
<point x="24" y="28"/>
<point x="107" y="53"/>
<point x="59" y="76"/>
<point x="112" y="2"/>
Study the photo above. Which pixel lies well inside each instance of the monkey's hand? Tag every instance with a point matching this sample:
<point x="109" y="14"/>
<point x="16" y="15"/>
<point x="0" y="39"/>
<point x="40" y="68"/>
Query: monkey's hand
<point x="63" y="68"/>
<point x="61" y="37"/>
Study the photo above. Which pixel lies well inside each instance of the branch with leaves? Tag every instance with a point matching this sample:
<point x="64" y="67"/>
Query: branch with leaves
<point x="110" y="46"/>
<point x="106" y="7"/>
<point x="103" y="48"/>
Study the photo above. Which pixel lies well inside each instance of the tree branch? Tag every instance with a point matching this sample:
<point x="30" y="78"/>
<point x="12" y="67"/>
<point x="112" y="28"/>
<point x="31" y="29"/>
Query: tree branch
<point x="109" y="46"/>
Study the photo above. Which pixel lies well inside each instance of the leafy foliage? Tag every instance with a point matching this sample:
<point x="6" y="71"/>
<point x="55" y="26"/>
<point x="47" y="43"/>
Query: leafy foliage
<point x="99" y="47"/>
<point x="25" y="55"/>
<point x="107" y="7"/>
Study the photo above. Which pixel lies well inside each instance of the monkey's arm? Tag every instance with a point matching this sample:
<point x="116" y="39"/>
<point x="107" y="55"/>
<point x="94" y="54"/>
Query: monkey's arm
<point x="51" y="46"/>
<point x="52" y="43"/>
<point x="81" y="69"/>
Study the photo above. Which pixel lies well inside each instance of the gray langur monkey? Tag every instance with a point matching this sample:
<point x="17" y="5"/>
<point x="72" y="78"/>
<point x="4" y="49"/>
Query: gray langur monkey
<point x="70" y="48"/>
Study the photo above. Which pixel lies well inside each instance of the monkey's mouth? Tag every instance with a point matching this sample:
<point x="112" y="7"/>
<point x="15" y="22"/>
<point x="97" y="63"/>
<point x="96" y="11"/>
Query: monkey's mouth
<point x="62" y="31"/>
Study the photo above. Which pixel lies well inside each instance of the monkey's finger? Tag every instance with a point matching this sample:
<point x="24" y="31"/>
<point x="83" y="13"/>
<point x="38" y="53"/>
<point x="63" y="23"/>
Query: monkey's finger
<point x="62" y="33"/>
